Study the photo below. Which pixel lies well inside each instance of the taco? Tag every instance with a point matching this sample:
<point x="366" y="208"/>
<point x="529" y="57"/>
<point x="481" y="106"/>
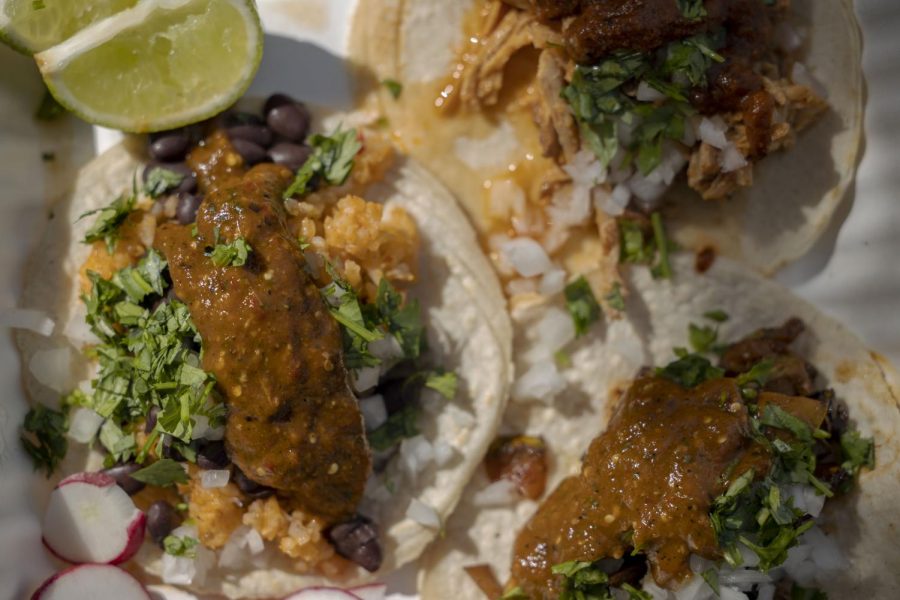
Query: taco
<point x="739" y="121"/>
<point x="286" y="347"/>
<point x="756" y="460"/>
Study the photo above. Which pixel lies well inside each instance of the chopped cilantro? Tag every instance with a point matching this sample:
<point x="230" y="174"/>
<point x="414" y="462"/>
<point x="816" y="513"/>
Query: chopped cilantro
<point x="44" y="437"/>
<point x="562" y="359"/>
<point x="661" y="269"/>
<point x="582" y="305"/>
<point x="636" y="594"/>
<point x="711" y="577"/>
<point x="121" y="446"/>
<point x="775" y="416"/>
<point x="185" y="546"/>
<point x="163" y="472"/>
<point x="582" y="580"/>
<point x="702" y="337"/>
<point x="759" y="373"/>
<point x="109" y="219"/>
<point x="645" y="244"/>
<point x="160" y="181"/>
<point x="38" y="5"/>
<point x="857" y="452"/>
<point x="49" y="109"/>
<point x="232" y="254"/>
<point x="517" y="593"/>
<point x="718" y="316"/>
<point x="394" y="87"/>
<point x="443" y="383"/>
<point x="403" y="321"/>
<point x="692" y="9"/>
<point x="399" y="426"/>
<point x="614" y="298"/>
<point x="690" y="370"/>
<point x="331" y="162"/>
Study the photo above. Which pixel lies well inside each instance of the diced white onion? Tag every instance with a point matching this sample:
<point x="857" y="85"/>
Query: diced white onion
<point x="695" y="588"/>
<point x="255" y="543"/>
<point x="553" y="282"/>
<point x="731" y="159"/>
<point x="646" y="191"/>
<point x="181" y="570"/>
<point x="77" y="330"/>
<point x="500" y="493"/>
<point x="423" y="514"/>
<point x="53" y="368"/>
<point x="84" y="424"/>
<point x="765" y="591"/>
<point x="551" y="332"/>
<point x="29" y="319"/>
<point x="805" y="498"/>
<point x="801" y="75"/>
<point x="585" y="169"/>
<point x="712" y="131"/>
<point x="648" y="93"/>
<point x="541" y="382"/>
<point x="787" y="37"/>
<point x="526" y="256"/>
<point x="741" y="577"/>
<point x="729" y="593"/>
<point x="517" y="287"/>
<point x="374" y="411"/>
<point x="416" y="453"/>
<point x="214" y="478"/>
<point x="443" y="453"/>
<point x="202" y="430"/>
<point x="365" y="378"/>
<point x="505" y="199"/>
<point x="387" y="349"/>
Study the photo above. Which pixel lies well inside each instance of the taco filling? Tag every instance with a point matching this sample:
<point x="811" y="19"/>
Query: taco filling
<point x="706" y="476"/>
<point x="256" y="355"/>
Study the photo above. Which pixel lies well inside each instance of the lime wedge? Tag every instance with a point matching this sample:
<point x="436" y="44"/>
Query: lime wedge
<point x="158" y="65"/>
<point x="31" y="26"/>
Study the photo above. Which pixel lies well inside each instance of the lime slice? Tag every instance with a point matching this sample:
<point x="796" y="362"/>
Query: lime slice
<point x="158" y="65"/>
<point x="31" y="26"/>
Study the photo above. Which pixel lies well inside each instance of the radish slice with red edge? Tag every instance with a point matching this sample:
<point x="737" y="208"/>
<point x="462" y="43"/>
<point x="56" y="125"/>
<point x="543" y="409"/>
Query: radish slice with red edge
<point x="372" y="591"/>
<point x="91" y="582"/>
<point x="90" y="519"/>
<point x="322" y="593"/>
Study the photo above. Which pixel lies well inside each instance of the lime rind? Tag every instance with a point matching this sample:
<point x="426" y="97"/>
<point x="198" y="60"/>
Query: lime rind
<point x="159" y="65"/>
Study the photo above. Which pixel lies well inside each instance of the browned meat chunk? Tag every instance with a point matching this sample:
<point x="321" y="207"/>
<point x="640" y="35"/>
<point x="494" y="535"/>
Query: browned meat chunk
<point x="293" y="423"/>
<point x="521" y="460"/>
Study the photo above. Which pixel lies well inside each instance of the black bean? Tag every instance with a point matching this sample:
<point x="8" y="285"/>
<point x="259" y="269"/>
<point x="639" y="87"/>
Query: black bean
<point x="258" y="134"/>
<point x="212" y="455"/>
<point x="170" y="146"/>
<point x="250" y="152"/>
<point x="276" y="100"/>
<point x="292" y="156"/>
<point x="162" y="518"/>
<point x="250" y="487"/>
<point x="187" y="207"/>
<point x="150" y="423"/>
<point x="122" y="474"/>
<point x="357" y="541"/>
<point x="188" y="183"/>
<point x="289" y="120"/>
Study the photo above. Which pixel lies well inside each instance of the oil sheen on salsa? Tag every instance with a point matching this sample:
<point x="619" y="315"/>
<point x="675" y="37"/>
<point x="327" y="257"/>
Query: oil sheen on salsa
<point x="648" y="482"/>
<point x="293" y="423"/>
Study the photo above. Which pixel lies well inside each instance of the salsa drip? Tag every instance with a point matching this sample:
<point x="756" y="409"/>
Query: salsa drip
<point x="293" y="423"/>
<point x="594" y="30"/>
<point x="647" y="484"/>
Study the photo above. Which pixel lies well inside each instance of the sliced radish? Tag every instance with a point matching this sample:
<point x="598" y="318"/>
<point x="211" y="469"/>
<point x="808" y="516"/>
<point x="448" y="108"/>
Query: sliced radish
<point x="373" y="591"/>
<point x="323" y="593"/>
<point x="91" y="582"/>
<point x="90" y="519"/>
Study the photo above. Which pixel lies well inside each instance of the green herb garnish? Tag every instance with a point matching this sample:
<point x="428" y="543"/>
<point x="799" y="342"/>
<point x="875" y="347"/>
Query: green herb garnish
<point x="232" y="254"/>
<point x="161" y="180"/>
<point x="44" y="437"/>
<point x="163" y="472"/>
<point x="582" y="305"/>
<point x="692" y="9"/>
<point x="393" y="86"/>
<point x="331" y="162"/>
<point x="109" y="219"/>
<point x="614" y="298"/>
<point x="690" y="370"/>
<point x="185" y="546"/>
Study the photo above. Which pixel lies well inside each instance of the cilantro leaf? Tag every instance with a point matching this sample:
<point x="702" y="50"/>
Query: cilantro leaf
<point x="582" y="305"/>
<point x="109" y="219"/>
<point x="181" y="546"/>
<point x="43" y="437"/>
<point x="163" y="472"/>
<point x="232" y="254"/>
<point x="394" y="87"/>
<point x="614" y="298"/>
<point x="582" y="580"/>
<point x="121" y="446"/>
<point x="517" y="593"/>
<point x="758" y="373"/>
<point x="160" y="180"/>
<point x="331" y="162"/>
<point x="662" y="269"/>
<point x="719" y="316"/>
<point x="403" y="321"/>
<point x="775" y="416"/>
<point x="692" y="9"/>
<point x="636" y="594"/>
<point x="857" y="452"/>
<point x="634" y="246"/>
<point x="690" y="371"/>
<point x="711" y="577"/>
<point x="445" y="384"/>
<point x="702" y="337"/>
<point x="399" y="426"/>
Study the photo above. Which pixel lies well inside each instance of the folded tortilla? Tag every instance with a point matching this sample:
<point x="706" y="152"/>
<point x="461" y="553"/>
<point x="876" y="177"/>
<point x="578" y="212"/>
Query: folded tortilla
<point x="796" y="191"/>
<point x="605" y="362"/>
<point x="468" y="332"/>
